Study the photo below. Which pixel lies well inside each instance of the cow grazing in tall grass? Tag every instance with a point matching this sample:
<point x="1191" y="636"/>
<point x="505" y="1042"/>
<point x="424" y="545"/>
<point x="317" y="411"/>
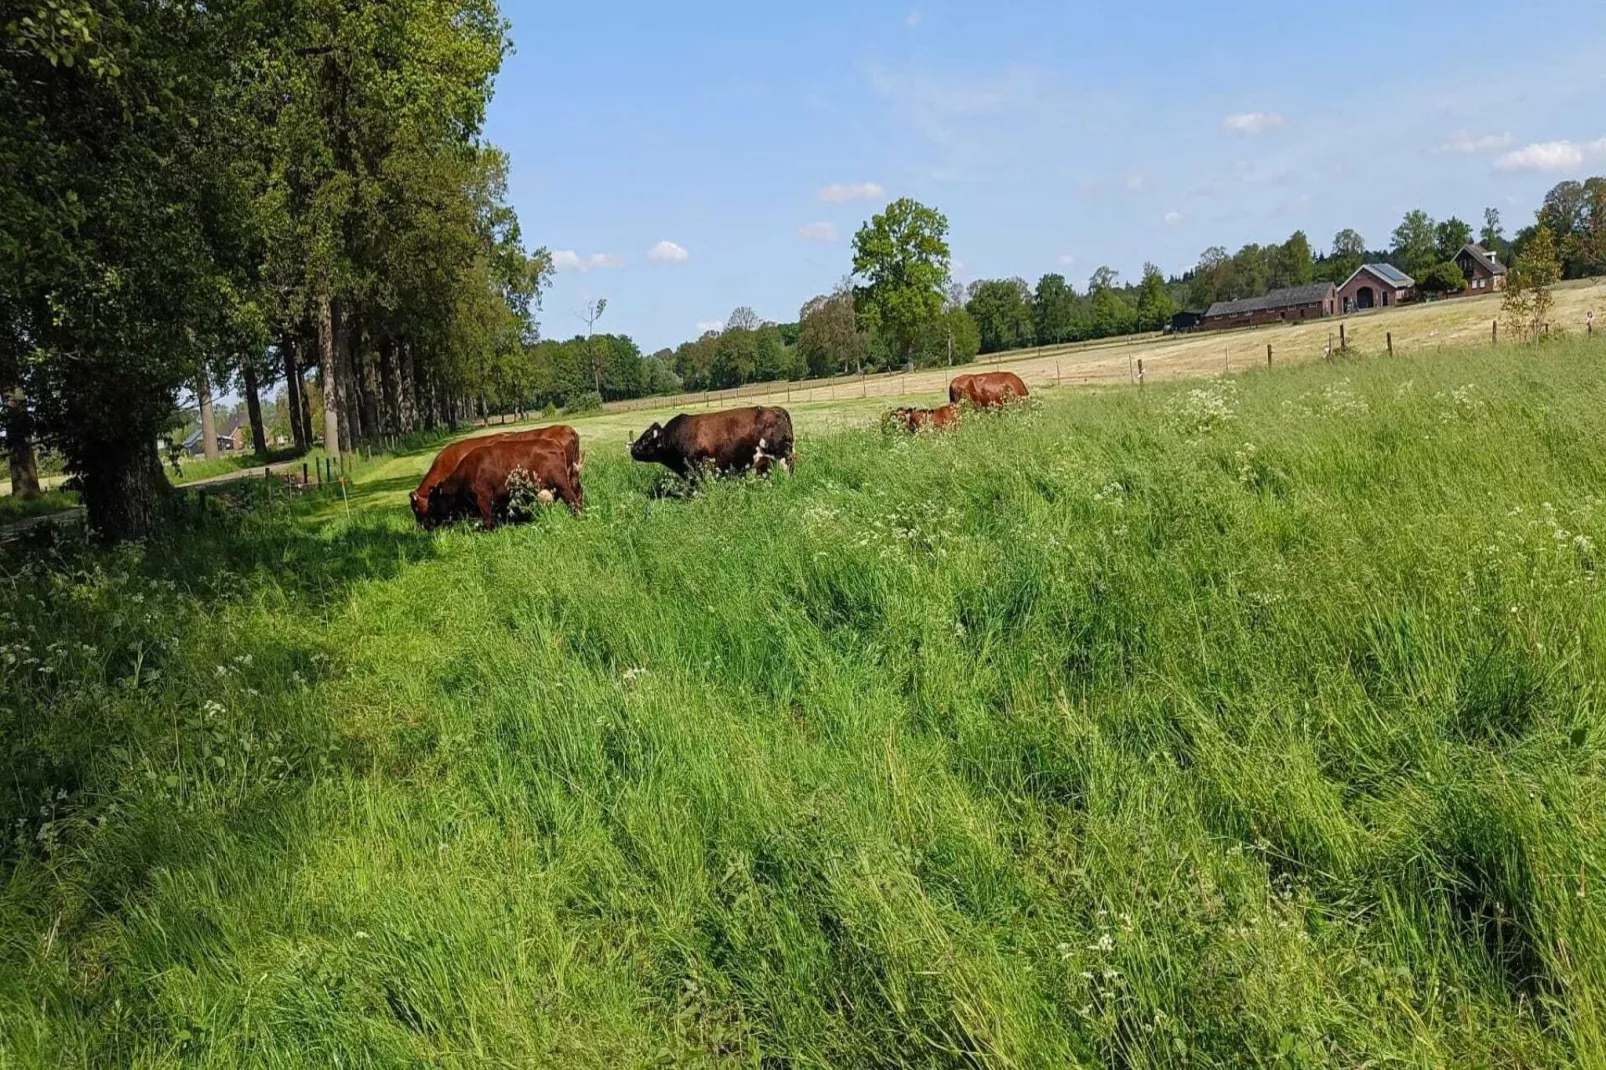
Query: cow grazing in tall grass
<point x="737" y="440"/>
<point x="499" y="478"/>
<point x="987" y="390"/>
<point x="565" y="438"/>
<point x="915" y="420"/>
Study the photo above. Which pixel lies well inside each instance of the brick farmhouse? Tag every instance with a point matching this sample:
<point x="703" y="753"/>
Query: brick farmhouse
<point x="1480" y="268"/>
<point x="1375" y="286"/>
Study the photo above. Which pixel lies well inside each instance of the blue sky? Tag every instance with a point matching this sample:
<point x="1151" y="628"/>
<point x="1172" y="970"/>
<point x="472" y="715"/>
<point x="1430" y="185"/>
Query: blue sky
<point x="687" y="159"/>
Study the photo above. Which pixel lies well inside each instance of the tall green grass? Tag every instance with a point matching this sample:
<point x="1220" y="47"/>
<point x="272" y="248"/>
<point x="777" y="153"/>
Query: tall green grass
<point x="1252" y="723"/>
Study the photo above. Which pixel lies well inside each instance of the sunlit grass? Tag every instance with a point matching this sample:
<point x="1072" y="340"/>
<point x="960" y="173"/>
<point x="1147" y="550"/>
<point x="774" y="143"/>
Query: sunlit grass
<point x="1220" y="724"/>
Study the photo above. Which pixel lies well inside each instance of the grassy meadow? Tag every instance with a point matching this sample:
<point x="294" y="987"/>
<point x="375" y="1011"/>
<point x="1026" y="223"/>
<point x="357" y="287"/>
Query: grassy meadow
<point x="1242" y="722"/>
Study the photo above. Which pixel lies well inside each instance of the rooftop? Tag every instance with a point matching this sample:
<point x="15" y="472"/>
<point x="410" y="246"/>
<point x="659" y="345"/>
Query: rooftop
<point x="1484" y="257"/>
<point x="1387" y="272"/>
<point x="1290" y="297"/>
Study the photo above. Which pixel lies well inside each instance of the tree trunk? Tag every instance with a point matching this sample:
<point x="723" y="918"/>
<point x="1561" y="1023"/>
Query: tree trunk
<point x="203" y="393"/>
<point x="331" y="387"/>
<point x="253" y="408"/>
<point x="409" y="391"/>
<point x="122" y="485"/>
<point x="372" y="404"/>
<point x="389" y="402"/>
<point x="292" y="392"/>
<point x="350" y="420"/>
<point x="19" y="442"/>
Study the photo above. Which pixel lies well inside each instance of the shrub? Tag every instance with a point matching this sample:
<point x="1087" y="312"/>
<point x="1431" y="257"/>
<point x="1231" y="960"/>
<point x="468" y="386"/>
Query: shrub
<point x="586" y="401"/>
<point x="1443" y="278"/>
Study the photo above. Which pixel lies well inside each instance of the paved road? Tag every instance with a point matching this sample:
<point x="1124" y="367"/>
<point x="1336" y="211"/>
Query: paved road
<point x="76" y="513"/>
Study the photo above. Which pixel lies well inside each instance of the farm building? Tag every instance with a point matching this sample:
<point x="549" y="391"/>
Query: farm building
<point x="1480" y="268"/>
<point x="1186" y="321"/>
<point x="1375" y="286"/>
<point x="1280" y="306"/>
<point x="231" y="437"/>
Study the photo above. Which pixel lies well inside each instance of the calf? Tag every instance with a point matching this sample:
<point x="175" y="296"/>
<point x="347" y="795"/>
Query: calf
<point x="446" y="461"/>
<point x="987" y="390"/>
<point x="478" y="487"/>
<point x="728" y="442"/>
<point x="914" y="420"/>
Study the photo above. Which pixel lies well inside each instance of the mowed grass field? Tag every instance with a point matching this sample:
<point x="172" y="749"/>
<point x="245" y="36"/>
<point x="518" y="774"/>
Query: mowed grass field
<point x="1252" y="722"/>
<point x="1417" y="330"/>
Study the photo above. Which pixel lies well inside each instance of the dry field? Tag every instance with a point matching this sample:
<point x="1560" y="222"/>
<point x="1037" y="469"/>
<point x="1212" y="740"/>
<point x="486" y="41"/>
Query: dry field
<point x="1415" y="329"/>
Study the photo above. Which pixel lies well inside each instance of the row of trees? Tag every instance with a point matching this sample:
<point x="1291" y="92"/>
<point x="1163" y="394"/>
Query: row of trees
<point x="233" y="193"/>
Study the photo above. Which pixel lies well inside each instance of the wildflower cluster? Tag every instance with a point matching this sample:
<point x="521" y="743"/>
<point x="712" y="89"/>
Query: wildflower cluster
<point x="1204" y="409"/>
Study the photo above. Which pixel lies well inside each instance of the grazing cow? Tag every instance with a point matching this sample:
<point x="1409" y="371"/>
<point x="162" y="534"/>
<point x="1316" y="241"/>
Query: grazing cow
<point x="914" y="420"/>
<point x="478" y="487"/>
<point x="446" y="461"/>
<point x="988" y="390"/>
<point x="731" y="441"/>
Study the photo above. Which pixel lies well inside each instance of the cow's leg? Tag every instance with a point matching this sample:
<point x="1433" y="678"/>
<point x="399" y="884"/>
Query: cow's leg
<point x="485" y="503"/>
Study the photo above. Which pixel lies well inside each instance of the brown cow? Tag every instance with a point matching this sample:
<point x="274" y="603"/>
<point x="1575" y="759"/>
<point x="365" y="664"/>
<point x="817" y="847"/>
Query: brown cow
<point x="915" y="420"/>
<point x="731" y="441"/>
<point x="446" y="461"/>
<point x="987" y="390"/>
<point x="479" y="485"/>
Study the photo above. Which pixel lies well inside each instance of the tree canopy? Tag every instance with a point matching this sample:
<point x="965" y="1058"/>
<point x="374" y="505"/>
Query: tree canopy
<point x="902" y="256"/>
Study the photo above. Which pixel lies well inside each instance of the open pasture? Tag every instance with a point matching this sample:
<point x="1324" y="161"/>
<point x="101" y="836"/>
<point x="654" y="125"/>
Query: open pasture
<point x="1219" y="723"/>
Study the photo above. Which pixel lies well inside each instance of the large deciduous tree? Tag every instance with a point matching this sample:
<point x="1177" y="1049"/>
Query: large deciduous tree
<point x="1415" y="245"/>
<point x="1002" y="310"/>
<point x="1450" y="237"/>
<point x="1154" y="300"/>
<point x="902" y="256"/>
<point x="830" y="337"/>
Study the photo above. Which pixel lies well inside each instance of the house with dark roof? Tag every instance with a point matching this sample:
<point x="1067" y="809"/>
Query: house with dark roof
<point x="1480" y="268"/>
<point x="1375" y="286"/>
<point x="1291" y="304"/>
<point x="232" y="436"/>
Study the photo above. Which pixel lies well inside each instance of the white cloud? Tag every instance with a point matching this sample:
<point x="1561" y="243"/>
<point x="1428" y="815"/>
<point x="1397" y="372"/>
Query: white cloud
<point x="1552" y="156"/>
<point x="1253" y="123"/>
<point x="704" y="326"/>
<point x="1066" y="260"/>
<point x="569" y="260"/>
<point x="1463" y="143"/>
<point x="853" y="191"/>
<point x="820" y="232"/>
<point x="1173" y="218"/>
<point x="912" y="19"/>
<point x="667" y="252"/>
<point x="975" y="124"/>
<point x="1136" y="181"/>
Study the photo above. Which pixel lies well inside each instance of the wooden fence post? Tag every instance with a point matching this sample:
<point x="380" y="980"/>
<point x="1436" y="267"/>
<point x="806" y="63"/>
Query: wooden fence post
<point x="1140" y="371"/>
<point x="1495" y="332"/>
<point x="1343" y="338"/>
<point x="304" y="480"/>
<point x="1057" y="379"/>
<point x="1391" y="343"/>
<point x="1268" y="354"/>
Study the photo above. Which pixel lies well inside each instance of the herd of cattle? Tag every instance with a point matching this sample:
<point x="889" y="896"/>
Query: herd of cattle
<point x="479" y="478"/>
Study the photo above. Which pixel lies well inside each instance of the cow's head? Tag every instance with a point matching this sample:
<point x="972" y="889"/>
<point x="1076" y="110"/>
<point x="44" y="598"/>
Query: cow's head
<point x="433" y="509"/>
<point x="420" y="507"/>
<point x="649" y="446"/>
